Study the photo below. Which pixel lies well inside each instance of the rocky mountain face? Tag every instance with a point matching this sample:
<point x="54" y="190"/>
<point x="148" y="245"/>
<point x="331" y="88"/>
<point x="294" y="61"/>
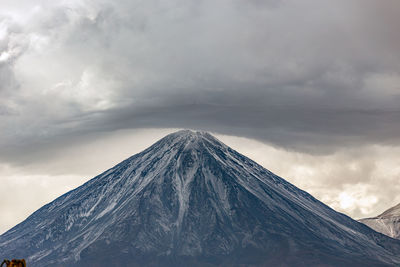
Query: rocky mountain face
<point x="190" y="200"/>
<point x="387" y="223"/>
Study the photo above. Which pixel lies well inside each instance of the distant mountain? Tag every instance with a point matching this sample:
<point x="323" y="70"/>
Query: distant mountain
<point x="387" y="223"/>
<point x="190" y="200"/>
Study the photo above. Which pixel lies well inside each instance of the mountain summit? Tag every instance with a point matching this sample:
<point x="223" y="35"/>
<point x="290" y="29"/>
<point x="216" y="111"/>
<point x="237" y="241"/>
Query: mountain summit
<point x="387" y="223"/>
<point x="190" y="200"/>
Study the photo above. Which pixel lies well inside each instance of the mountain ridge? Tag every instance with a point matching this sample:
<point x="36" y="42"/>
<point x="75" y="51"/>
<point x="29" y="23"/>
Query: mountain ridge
<point x="191" y="200"/>
<point x="387" y="223"/>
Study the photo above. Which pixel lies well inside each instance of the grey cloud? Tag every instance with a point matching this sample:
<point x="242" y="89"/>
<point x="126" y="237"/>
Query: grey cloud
<point x="309" y="76"/>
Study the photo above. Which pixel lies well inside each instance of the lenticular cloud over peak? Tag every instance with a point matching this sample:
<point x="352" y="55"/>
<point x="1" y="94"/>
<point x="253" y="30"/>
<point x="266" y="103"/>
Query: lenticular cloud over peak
<point x="288" y="74"/>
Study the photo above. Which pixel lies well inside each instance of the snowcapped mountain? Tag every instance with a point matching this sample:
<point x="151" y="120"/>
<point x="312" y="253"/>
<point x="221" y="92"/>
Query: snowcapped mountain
<point x="387" y="223"/>
<point x="190" y="200"/>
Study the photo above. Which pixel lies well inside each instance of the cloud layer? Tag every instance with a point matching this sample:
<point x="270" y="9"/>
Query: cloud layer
<point x="305" y="75"/>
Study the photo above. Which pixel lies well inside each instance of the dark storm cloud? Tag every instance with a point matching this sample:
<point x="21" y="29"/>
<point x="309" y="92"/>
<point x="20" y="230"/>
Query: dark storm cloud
<point x="311" y="75"/>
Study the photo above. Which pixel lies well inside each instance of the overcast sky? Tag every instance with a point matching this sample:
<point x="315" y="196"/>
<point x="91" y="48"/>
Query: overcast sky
<point x="309" y="89"/>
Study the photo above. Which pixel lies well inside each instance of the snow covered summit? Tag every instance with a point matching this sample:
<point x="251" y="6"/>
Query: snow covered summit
<point x="387" y="223"/>
<point x="190" y="200"/>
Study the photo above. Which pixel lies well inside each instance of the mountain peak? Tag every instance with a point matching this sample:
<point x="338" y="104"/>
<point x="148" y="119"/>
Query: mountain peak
<point x="191" y="135"/>
<point x="387" y="223"/>
<point x="188" y="132"/>
<point x="392" y="212"/>
<point x="190" y="200"/>
<point x="185" y="140"/>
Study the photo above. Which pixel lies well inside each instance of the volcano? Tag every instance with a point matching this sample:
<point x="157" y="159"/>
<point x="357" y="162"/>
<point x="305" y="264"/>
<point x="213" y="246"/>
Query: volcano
<point x="190" y="200"/>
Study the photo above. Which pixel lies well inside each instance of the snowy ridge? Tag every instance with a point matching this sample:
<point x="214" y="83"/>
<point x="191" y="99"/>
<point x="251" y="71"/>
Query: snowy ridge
<point x="387" y="223"/>
<point x="190" y="200"/>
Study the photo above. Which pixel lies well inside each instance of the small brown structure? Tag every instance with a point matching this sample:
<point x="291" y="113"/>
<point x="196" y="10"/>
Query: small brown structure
<point x="14" y="263"/>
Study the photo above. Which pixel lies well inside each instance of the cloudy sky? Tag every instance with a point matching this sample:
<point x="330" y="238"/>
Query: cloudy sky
<point x="309" y="89"/>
